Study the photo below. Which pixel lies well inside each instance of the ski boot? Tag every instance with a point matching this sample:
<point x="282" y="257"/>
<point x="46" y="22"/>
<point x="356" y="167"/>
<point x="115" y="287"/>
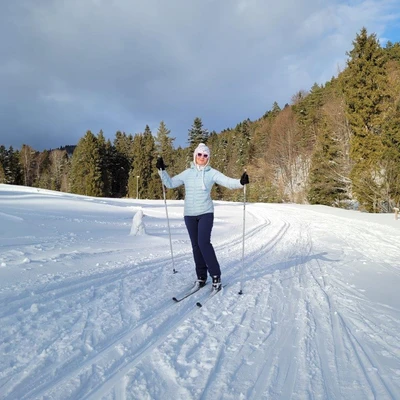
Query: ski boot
<point x="216" y="282"/>
<point x="201" y="281"/>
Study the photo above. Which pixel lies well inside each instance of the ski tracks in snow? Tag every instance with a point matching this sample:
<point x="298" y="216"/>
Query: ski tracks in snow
<point x="336" y="332"/>
<point x="78" y="358"/>
<point x="304" y="328"/>
<point x="79" y="349"/>
<point x="301" y="330"/>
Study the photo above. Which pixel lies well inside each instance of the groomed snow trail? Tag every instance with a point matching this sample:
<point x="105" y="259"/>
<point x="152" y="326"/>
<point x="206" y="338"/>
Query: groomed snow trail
<point x="319" y="317"/>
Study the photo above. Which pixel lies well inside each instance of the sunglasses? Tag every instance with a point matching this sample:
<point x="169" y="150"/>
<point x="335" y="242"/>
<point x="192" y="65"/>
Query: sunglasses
<point x="202" y="155"/>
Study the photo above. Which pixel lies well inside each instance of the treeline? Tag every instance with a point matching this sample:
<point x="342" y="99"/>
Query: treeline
<point x="337" y="144"/>
<point x="97" y="167"/>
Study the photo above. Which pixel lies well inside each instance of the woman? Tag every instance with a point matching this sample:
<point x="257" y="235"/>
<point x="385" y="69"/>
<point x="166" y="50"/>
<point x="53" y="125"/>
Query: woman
<point x="199" y="179"/>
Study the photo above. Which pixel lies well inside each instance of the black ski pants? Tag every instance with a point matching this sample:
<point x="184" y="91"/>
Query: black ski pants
<point x="199" y="229"/>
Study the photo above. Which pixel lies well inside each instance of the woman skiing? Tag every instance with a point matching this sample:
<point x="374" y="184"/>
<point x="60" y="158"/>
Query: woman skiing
<point x="199" y="179"/>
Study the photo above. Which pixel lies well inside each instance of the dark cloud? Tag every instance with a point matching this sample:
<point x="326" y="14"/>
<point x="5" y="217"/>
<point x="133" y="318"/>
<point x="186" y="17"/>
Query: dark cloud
<point x="66" y="67"/>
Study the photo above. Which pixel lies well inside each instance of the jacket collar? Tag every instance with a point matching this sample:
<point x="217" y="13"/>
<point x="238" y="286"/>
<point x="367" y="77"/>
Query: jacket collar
<point x="193" y="166"/>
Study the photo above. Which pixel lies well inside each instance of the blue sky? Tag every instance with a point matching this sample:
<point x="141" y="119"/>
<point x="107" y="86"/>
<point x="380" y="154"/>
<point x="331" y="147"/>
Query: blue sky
<point x="70" y="66"/>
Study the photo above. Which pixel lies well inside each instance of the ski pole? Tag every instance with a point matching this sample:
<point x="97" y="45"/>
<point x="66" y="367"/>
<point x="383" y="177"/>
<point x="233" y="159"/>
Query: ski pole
<point x="169" y="229"/>
<point x="244" y="225"/>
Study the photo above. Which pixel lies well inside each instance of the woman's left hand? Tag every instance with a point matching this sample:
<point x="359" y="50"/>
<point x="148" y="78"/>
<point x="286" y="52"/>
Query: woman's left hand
<point x="244" y="180"/>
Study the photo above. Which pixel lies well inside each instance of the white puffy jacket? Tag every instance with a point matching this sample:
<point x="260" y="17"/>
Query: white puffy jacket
<point x="198" y="185"/>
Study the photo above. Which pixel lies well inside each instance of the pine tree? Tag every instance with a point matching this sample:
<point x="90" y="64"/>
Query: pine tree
<point x="275" y="109"/>
<point x="105" y="154"/>
<point x="325" y="178"/>
<point x="163" y="141"/>
<point x="390" y="163"/>
<point x="143" y="177"/>
<point x="122" y="156"/>
<point x="365" y="86"/>
<point x="135" y="186"/>
<point x="273" y="112"/>
<point x="163" y="145"/>
<point x="124" y="144"/>
<point x="3" y="155"/>
<point x="10" y="161"/>
<point x="2" y="174"/>
<point x="393" y="51"/>
<point x="180" y="164"/>
<point x="197" y="134"/>
<point x="164" y="148"/>
<point x="243" y="144"/>
<point x="308" y="112"/>
<point x="86" y="168"/>
<point x="152" y="184"/>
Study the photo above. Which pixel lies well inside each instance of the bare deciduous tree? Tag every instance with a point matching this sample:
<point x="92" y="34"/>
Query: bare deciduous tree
<point x="58" y="159"/>
<point x="334" y="111"/>
<point x="285" y="152"/>
<point x="27" y="159"/>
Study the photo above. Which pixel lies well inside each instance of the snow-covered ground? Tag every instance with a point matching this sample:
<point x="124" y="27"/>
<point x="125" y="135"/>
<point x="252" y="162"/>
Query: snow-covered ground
<point x="86" y="310"/>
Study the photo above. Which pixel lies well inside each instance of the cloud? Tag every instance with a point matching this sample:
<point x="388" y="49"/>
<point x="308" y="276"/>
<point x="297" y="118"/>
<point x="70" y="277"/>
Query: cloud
<point x="67" y="67"/>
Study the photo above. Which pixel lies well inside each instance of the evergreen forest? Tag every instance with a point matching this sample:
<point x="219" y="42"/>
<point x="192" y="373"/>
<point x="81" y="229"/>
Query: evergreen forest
<point x="337" y="144"/>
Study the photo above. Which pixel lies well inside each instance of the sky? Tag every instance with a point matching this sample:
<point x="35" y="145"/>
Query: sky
<point x="71" y="66"/>
<point x="86" y="309"/>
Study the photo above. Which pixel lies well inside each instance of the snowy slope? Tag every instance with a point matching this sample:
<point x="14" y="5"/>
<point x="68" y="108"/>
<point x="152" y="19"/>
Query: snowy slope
<point x="86" y="309"/>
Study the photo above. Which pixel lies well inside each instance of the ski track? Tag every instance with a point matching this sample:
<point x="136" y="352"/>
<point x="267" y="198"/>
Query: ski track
<point x="299" y="294"/>
<point x="375" y="385"/>
<point x="34" y="385"/>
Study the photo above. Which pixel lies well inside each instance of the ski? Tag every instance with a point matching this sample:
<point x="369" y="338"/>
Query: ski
<point x="210" y="296"/>
<point x="193" y="291"/>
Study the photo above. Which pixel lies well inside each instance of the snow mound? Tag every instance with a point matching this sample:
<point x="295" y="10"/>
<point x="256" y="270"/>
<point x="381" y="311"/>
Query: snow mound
<point x="138" y="227"/>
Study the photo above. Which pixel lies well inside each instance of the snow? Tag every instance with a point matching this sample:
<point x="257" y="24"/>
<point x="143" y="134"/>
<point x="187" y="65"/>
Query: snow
<point x="86" y="310"/>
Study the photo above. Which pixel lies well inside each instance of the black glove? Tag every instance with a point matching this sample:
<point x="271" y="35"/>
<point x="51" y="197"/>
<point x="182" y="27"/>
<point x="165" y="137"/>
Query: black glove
<point x="160" y="164"/>
<point x="244" y="180"/>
